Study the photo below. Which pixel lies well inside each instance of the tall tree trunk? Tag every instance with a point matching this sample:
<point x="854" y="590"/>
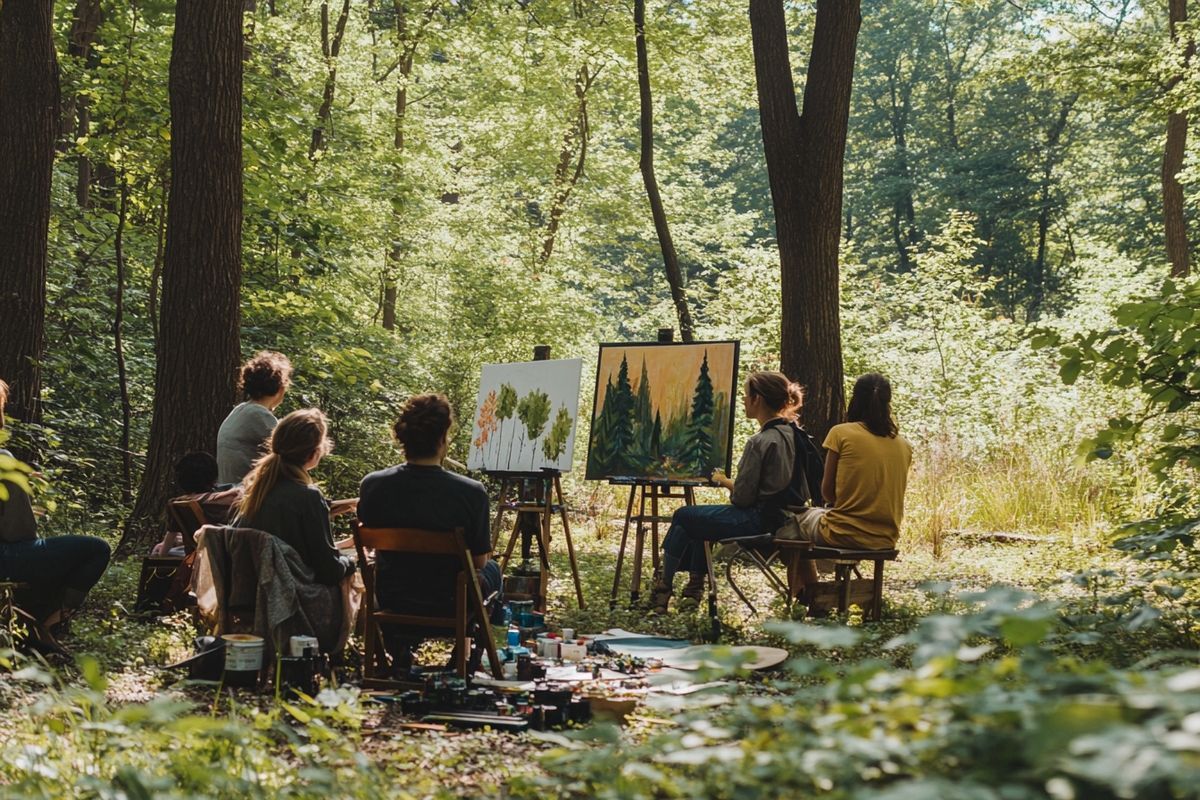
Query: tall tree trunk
<point x="331" y="46"/>
<point x="670" y="258"/>
<point x="804" y="154"/>
<point x="119" y="345"/>
<point x="1174" y="218"/>
<point x="84" y="25"/>
<point x="574" y="149"/>
<point x="195" y="379"/>
<point x="1049" y="162"/>
<point x="29" y="124"/>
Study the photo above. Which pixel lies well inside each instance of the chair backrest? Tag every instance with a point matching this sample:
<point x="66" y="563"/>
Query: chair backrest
<point x="411" y="540"/>
<point x="186" y="516"/>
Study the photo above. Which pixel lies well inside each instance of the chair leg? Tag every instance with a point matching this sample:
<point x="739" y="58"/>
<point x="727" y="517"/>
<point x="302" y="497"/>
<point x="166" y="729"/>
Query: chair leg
<point x="713" y="617"/>
<point x="737" y="589"/>
<point x="843" y="572"/>
<point x="877" y="592"/>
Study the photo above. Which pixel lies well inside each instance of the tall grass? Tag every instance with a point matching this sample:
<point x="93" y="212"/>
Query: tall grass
<point x="1028" y="488"/>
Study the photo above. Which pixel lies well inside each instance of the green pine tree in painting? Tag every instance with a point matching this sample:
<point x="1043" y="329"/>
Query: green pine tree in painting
<point x="643" y="414"/>
<point x="622" y="420"/>
<point x="534" y="412"/>
<point x="556" y="441"/>
<point x="506" y="405"/>
<point x="698" y="449"/>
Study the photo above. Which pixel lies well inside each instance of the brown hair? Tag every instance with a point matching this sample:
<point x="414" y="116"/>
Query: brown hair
<point x="294" y="440"/>
<point x="265" y="374"/>
<point x="423" y="422"/>
<point x="3" y="401"/>
<point x="779" y="393"/>
<point x="871" y="404"/>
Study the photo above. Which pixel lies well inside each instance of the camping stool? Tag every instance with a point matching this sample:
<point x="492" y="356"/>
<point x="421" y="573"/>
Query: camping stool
<point x="848" y="586"/>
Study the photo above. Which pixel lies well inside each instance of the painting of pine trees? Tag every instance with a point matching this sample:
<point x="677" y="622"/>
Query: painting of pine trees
<point x="662" y="410"/>
<point x="525" y="418"/>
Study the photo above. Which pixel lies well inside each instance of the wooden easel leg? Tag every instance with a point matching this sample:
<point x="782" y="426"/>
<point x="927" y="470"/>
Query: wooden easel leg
<point x="512" y="543"/>
<point x="639" y="544"/>
<point x="612" y="600"/>
<point x="654" y="541"/>
<point x="505" y="485"/>
<point x="562" y="507"/>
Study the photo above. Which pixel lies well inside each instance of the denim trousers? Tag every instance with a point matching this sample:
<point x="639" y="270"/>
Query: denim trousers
<point x="53" y="566"/>
<point x="694" y="524"/>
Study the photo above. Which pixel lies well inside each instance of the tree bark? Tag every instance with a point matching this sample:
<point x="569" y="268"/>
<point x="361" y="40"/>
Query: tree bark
<point x="1050" y="160"/>
<point x="195" y="379"/>
<point x="84" y="25"/>
<point x="805" y="154"/>
<point x="119" y="345"/>
<point x="574" y="150"/>
<point x="29" y="125"/>
<point x="646" y="124"/>
<point x="330" y="48"/>
<point x="1174" y="219"/>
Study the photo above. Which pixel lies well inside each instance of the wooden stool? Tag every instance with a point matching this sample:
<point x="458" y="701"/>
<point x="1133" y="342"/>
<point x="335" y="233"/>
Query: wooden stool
<point x="848" y="586"/>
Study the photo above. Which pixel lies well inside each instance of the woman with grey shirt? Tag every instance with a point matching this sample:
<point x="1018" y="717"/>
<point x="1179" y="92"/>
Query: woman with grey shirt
<point x="242" y="438"/>
<point x="763" y="474"/>
<point x="60" y="570"/>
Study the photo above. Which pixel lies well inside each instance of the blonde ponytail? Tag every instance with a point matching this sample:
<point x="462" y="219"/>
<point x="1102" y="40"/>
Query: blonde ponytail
<point x="293" y="442"/>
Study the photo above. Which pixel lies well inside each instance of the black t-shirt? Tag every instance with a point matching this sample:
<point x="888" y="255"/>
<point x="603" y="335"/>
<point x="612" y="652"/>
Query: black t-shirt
<point x="411" y="496"/>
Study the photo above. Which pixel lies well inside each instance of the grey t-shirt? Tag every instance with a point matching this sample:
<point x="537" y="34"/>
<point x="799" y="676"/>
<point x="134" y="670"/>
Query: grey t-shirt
<point x="16" y="514"/>
<point x="241" y="440"/>
<point x="766" y="466"/>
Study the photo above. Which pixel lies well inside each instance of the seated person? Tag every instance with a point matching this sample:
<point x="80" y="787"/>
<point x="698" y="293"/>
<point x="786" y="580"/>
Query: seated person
<point x="866" y="474"/>
<point x="421" y="494"/>
<point x="242" y="437"/>
<point x="281" y="498"/>
<point x="61" y="569"/>
<point x="764" y="478"/>
<point x="196" y="479"/>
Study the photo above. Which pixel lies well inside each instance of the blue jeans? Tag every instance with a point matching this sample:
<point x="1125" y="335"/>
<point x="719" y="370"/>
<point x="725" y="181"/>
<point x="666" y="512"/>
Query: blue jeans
<point x="694" y="524"/>
<point x="61" y="569"/>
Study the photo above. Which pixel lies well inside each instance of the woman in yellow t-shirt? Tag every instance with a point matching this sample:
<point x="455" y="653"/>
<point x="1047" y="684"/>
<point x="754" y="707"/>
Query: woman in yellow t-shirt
<point x="866" y="473"/>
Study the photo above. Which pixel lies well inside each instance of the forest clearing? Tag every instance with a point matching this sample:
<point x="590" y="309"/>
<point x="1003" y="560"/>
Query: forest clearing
<point x="330" y="325"/>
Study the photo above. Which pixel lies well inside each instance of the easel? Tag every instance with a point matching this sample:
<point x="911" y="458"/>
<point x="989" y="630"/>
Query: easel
<point x="536" y="497"/>
<point x="643" y="522"/>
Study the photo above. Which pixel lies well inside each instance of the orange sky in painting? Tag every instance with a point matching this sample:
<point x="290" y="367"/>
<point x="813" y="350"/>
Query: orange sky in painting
<point x="672" y="369"/>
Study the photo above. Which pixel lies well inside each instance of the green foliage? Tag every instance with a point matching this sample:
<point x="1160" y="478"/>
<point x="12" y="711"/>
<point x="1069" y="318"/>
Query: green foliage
<point x="556" y="440"/>
<point x="992" y="706"/>
<point x="534" y="411"/>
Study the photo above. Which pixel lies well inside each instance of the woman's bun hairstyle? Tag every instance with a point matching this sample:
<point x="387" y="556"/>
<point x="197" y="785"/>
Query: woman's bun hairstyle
<point x="422" y="424"/>
<point x="265" y="374"/>
<point x="779" y="393"/>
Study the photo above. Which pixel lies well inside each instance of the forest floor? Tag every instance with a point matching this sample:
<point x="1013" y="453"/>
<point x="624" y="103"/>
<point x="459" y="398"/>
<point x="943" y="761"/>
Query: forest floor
<point x="132" y="651"/>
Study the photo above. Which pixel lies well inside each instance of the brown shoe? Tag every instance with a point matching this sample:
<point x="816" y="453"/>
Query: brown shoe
<point x="693" y="593"/>
<point x="660" y="598"/>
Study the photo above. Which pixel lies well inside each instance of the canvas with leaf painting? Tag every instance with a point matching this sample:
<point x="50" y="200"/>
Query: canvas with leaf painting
<point x="663" y="411"/>
<point x="525" y="416"/>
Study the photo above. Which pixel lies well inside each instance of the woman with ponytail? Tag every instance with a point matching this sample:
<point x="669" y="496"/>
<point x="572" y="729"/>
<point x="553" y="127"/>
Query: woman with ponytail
<point x="282" y="499"/>
<point x="765" y="484"/>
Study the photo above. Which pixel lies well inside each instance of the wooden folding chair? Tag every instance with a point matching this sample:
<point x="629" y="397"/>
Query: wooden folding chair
<point x="187" y="517"/>
<point x="468" y="623"/>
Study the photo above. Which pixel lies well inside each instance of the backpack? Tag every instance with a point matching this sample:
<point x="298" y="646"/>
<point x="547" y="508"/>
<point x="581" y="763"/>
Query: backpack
<point x="809" y="463"/>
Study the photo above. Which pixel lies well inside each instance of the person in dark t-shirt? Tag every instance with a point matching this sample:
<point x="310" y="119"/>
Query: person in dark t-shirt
<point x="421" y="494"/>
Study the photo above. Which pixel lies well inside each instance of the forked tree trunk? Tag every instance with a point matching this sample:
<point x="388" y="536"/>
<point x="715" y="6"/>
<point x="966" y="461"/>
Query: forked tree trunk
<point x="195" y="380"/>
<point x="331" y="48"/>
<point x="665" y="243"/>
<point x="1174" y="218"/>
<point x="29" y="123"/>
<point x="804" y="154"/>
